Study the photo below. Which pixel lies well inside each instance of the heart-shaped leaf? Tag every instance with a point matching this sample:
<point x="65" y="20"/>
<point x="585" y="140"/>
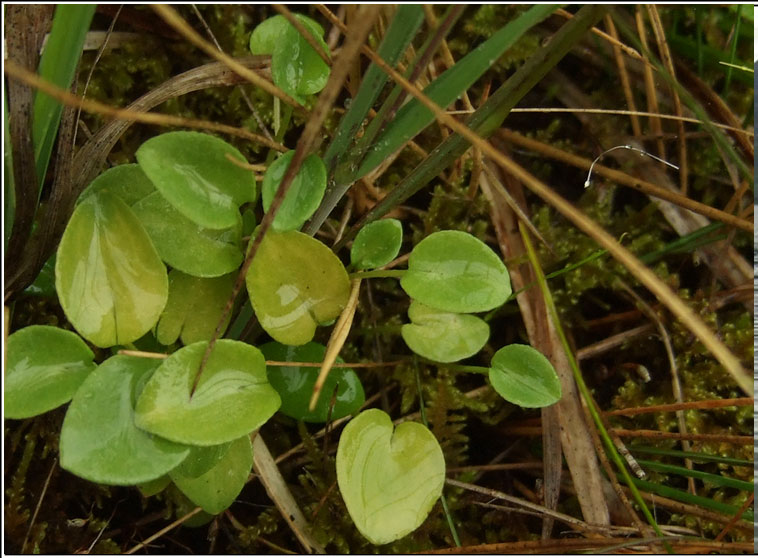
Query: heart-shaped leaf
<point x="376" y="244"/>
<point x="193" y="172"/>
<point x="296" y="283"/>
<point x="389" y="481"/>
<point x="304" y="194"/>
<point x="200" y="460"/>
<point x="45" y="367"/>
<point x="129" y="183"/>
<point x="99" y="441"/>
<point x="522" y="375"/>
<point x="217" y="488"/>
<point x="456" y="272"/>
<point x="194" y="307"/>
<point x="233" y="396"/>
<point x="443" y="336"/>
<point x="295" y="383"/>
<point x="295" y="66"/>
<point x="110" y="280"/>
<point x="185" y="245"/>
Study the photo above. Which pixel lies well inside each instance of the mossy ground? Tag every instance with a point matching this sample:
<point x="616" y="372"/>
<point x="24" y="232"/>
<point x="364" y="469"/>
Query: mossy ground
<point x="76" y="515"/>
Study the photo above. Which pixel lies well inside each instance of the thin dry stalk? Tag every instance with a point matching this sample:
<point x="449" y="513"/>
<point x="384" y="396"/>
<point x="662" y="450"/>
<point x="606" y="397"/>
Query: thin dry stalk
<point x="596" y="349"/>
<point x="39" y="503"/>
<point x="304" y="32"/>
<point x="676" y="384"/>
<point x="172" y="17"/>
<point x="663" y="49"/>
<point x="566" y="416"/>
<point x="650" y="89"/>
<point x="280" y="494"/>
<point x="737" y="516"/>
<point x="623" y="75"/>
<point x="163" y="531"/>
<point x="639" y="184"/>
<point x="705" y="404"/>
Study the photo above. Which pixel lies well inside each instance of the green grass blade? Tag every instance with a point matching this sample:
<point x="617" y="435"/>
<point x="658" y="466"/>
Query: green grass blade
<point x="687" y="498"/>
<point x="405" y="24"/>
<point x="414" y="117"/>
<point x="490" y="116"/>
<point x="733" y="51"/>
<point x="611" y="450"/>
<point x="695" y="456"/>
<point x="57" y="65"/>
<point x="398" y="95"/>
<point x="716" y="480"/>
<point x="9" y="183"/>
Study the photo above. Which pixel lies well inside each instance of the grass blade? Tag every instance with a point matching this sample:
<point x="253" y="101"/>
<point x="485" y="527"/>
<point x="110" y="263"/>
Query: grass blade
<point x="687" y="498"/>
<point x="57" y="65"/>
<point x="489" y="116"/>
<point x="717" y="480"/>
<point x="407" y="20"/>
<point x="414" y="117"/>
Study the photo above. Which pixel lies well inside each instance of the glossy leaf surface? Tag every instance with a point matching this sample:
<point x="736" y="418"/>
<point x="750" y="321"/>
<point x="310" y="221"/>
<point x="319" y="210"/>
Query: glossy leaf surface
<point x="295" y="67"/>
<point x="200" y="460"/>
<point x="388" y="480"/>
<point x="295" y="383"/>
<point x="191" y="170"/>
<point x="456" y="272"/>
<point x="110" y="280"/>
<point x="185" y="245"/>
<point x="129" y="183"/>
<point x="377" y="244"/>
<point x="99" y="440"/>
<point x="296" y="283"/>
<point x="304" y="194"/>
<point x="233" y="396"/>
<point x="194" y="307"/>
<point x="443" y="336"/>
<point x="217" y="488"/>
<point x="524" y="376"/>
<point x="45" y="366"/>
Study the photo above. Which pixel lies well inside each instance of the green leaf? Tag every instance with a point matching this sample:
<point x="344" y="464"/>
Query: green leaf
<point x="187" y="246"/>
<point x="389" y="481"/>
<point x="304" y="194"/>
<point x="267" y="34"/>
<point x="110" y="281"/>
<point x="45" y="367"/>
<point x="193" y="172"/>
<point x="58" y="66"/>
<point x="194" y="307"/>
<point x="456" y="272"/>
<point x="127" y="182"/>
<point x="295" y="383"/>
<point x="377" y="244"/>
<point x="522" y="375"/>
<point x="296" y="283"/>
<point x="233" y="396"/>
<point x="216" y="489"/>
<point x="99" y="440"/>
<point x="295" y="67"/>
<point x="200" y="460"/>
<point x="44" y="284"/>
<point x="155" y="486"/>
<point x="443" y="336"/>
